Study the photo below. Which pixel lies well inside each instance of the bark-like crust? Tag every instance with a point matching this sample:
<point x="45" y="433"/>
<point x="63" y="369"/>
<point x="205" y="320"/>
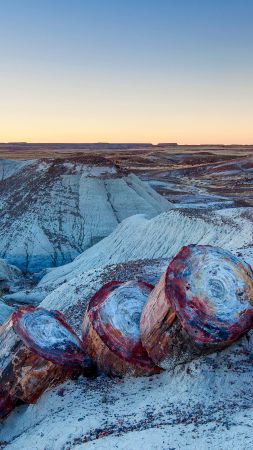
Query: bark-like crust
<point x="111" y="332"/>
<point x="203" y="303"/>
<point x="27" y="366"/>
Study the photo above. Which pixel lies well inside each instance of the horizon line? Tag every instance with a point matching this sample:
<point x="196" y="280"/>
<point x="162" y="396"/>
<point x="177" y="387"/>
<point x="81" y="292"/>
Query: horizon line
<point x="161" y="143"/>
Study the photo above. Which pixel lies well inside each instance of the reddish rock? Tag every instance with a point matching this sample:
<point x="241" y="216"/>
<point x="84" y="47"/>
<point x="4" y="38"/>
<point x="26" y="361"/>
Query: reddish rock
<point x="48" y="335"/>
<point x="111" y="332"/>
<point x="156" y="319"/>
<point x="6" y="404"/>
<point x="38" y="350"/>
<point x="203" y="303"/>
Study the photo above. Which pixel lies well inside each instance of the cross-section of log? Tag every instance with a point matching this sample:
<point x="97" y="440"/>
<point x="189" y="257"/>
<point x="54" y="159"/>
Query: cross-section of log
<point x="38" y="349"/>
<point x="203" y="303"/>
<point x="111" y="329"/>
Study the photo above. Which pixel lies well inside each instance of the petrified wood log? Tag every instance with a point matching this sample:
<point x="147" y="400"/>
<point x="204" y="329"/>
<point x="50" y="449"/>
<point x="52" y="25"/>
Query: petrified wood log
<point x="6" y="404"/>
<point x="111" y="329"/>
<point x="38" y="350"/>
<point x="203" y="303"/>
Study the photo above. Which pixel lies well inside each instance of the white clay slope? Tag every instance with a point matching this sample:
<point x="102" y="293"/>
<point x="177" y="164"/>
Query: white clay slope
<point x="9" y="167"/>
<point x="161" y="237"/>
<point x="11" y="280"/>
<point x="206" y="404"/>
<point x="9" y="274"/>
<point x="54" y="209"/>
<point x="139" y="238"/>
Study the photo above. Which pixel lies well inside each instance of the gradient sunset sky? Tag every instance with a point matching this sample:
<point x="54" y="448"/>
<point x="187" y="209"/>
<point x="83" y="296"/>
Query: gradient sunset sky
<point x="126" y="71"/>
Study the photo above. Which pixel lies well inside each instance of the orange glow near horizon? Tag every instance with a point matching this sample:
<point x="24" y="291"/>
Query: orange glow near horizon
<point x="66" y="133"/>
<point x="51" y="111"/>
<point x="85" y="119"/>
<point x="164" y="71"/>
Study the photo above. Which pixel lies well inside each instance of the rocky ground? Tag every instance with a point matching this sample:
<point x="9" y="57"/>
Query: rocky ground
<point x="203" y="195"/>
<point x="198" y="176"/>
<point x="206" y="404"/>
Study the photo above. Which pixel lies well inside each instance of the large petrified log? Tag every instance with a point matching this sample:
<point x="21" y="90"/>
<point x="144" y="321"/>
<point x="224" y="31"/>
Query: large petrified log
<point x="203" y="303"/>
<point x="111" y="329"/>
<point x="38" y="350"/>
<point x="6" y="404"/>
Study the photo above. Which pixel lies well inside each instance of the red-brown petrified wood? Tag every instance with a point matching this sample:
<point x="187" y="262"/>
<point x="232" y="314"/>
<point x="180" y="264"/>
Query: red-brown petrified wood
<point x="203" y="303"/>
<point x="38" y="350"/>
<point x="111" y="332"/>
<point x="6" y="404"/>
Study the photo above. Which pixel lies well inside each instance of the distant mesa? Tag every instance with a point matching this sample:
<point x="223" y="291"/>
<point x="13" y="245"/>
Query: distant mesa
<point x="79" y="145"/>
<point x="17" y="143"/>
<point x="167" y="144"/>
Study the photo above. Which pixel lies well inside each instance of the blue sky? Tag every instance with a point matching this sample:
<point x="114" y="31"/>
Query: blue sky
<point x="77" y="71"/>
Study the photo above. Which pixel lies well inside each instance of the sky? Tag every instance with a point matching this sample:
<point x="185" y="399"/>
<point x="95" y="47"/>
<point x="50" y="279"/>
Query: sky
<point x="126" y="71"/>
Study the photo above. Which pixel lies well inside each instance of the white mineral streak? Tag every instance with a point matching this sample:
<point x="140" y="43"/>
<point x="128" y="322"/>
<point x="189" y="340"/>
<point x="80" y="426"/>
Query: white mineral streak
<point x="218" y="281"/>
<point x="45" y="331"/>
<point x="122" y="309"/>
